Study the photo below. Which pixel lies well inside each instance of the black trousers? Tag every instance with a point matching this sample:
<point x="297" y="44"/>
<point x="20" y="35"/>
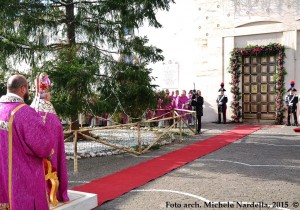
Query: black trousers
<point x="199" y="123"/>
<point x="291" y="110"/>
<point x="224" y="116"/>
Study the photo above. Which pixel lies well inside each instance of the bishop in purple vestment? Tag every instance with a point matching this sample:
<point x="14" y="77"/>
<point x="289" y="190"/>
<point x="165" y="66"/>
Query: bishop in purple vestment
<point x="47" y="112"/>
<point x="30" y="145"/>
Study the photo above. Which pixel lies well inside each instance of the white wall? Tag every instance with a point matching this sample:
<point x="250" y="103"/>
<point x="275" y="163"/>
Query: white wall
<point x="199" y="36"/>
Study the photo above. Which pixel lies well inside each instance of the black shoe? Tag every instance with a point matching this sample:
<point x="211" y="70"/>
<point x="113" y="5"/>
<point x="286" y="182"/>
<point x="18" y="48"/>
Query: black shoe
<point x="288" y="124"/>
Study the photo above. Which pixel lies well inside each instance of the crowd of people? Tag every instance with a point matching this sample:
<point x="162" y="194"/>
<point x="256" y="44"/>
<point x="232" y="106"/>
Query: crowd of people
<point x="174" y="100"/>
<point x="192" y="101"/>
<point x="32" y="134"/>
<point x="29" y="135"/>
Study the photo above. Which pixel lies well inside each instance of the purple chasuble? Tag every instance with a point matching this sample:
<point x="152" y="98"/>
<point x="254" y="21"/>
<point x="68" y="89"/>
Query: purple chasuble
<point x="183" y="100"/>
<point x="30" y="145"/>
<point x="58" y="160"/>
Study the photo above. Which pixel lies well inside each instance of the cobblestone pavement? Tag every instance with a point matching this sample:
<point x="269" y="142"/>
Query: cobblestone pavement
<point x="255" y="172"/>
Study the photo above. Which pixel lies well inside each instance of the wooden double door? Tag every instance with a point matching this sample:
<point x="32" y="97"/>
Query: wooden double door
<point x="258" y="88"/>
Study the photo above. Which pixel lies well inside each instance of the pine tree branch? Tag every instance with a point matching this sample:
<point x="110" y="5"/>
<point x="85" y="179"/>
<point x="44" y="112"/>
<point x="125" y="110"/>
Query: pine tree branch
<point x="103" y="75"/>
<point x="7" y="40"/>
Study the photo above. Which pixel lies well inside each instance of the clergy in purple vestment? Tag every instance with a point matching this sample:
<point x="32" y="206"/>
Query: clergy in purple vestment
<point x="175" y="99"/>
<point x="183" y="101"/>
<point x="44" y="107"/>
<point x="22" y="180"/>
<point x="168" y="106"/>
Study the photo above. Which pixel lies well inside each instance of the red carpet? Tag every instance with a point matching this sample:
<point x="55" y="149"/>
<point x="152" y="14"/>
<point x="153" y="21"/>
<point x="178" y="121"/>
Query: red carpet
<point x="114" y="185"/>
<point x="297" y="129"/>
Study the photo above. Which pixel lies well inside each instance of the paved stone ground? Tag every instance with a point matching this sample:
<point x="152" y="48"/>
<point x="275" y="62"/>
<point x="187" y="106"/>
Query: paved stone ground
<point x="258" y="170"/>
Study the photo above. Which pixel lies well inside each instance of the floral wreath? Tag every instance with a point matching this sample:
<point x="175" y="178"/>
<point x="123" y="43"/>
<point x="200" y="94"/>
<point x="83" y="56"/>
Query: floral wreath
<point x="235" y="70"/>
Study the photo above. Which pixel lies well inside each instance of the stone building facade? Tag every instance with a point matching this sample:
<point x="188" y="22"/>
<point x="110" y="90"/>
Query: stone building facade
<point x="198" y="36"/>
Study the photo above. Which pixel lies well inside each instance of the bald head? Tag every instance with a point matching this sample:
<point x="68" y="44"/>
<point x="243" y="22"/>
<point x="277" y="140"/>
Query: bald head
<point x="18" y="84"/>
<point x="15" y="82"/>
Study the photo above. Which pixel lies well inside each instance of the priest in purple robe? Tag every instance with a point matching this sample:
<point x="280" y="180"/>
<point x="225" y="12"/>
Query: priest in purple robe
<point x="44" y="107"/>
<point x="183" y="103"/>
<point x="24" y="143"/>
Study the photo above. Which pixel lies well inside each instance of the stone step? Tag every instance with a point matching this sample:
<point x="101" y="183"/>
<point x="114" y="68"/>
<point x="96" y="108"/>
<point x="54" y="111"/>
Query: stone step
<point x="78" y="201"/>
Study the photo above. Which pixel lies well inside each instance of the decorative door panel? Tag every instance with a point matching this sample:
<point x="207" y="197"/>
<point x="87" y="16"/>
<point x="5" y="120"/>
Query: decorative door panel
<point x="254" y="108"/>
<point x="254" y="79"/>
<point x="247" y="98"/>
<point x="246" y="60"/>
<point x="246" y="88"/>
<point x="271" y="98"/>
<point x="253" y="98"/>
<point x="250" y="116"/>
<point x="246" y="78"/>
<point x="268" y="116"/>
<point x="254" y="60"/>
<point x="254" y="88"/>
<point x="253" y="69"/>
<point x="258" y="101"/>
<point x="272" y="108"/>
<point x="264" y="79"/>
<point x="264" y="69"/>
<point x="272" y="59"/>
<point x="264" y="98"/>
<point x="247" y="69"/>
<point x="246" y="107"/>
<point x="264" y="88"/>
<point x="264" y="108"/>
<point x="272" y="69"/>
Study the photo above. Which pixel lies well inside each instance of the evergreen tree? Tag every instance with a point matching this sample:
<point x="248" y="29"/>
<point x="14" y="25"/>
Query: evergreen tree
<point x="78" y="43"/>
<point x="2" y="84"/>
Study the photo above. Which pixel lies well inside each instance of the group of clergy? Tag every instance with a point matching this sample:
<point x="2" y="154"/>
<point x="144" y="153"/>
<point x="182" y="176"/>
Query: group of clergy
<point x="174" y="101"/>
<point x="185" y="102"/>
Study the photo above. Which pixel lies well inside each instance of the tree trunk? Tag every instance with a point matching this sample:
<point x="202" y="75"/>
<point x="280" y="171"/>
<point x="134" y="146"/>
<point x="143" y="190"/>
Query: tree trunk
<point x="74" y="123"/>
<point x="70" y="22"/>
<point x="70" y="19"/>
